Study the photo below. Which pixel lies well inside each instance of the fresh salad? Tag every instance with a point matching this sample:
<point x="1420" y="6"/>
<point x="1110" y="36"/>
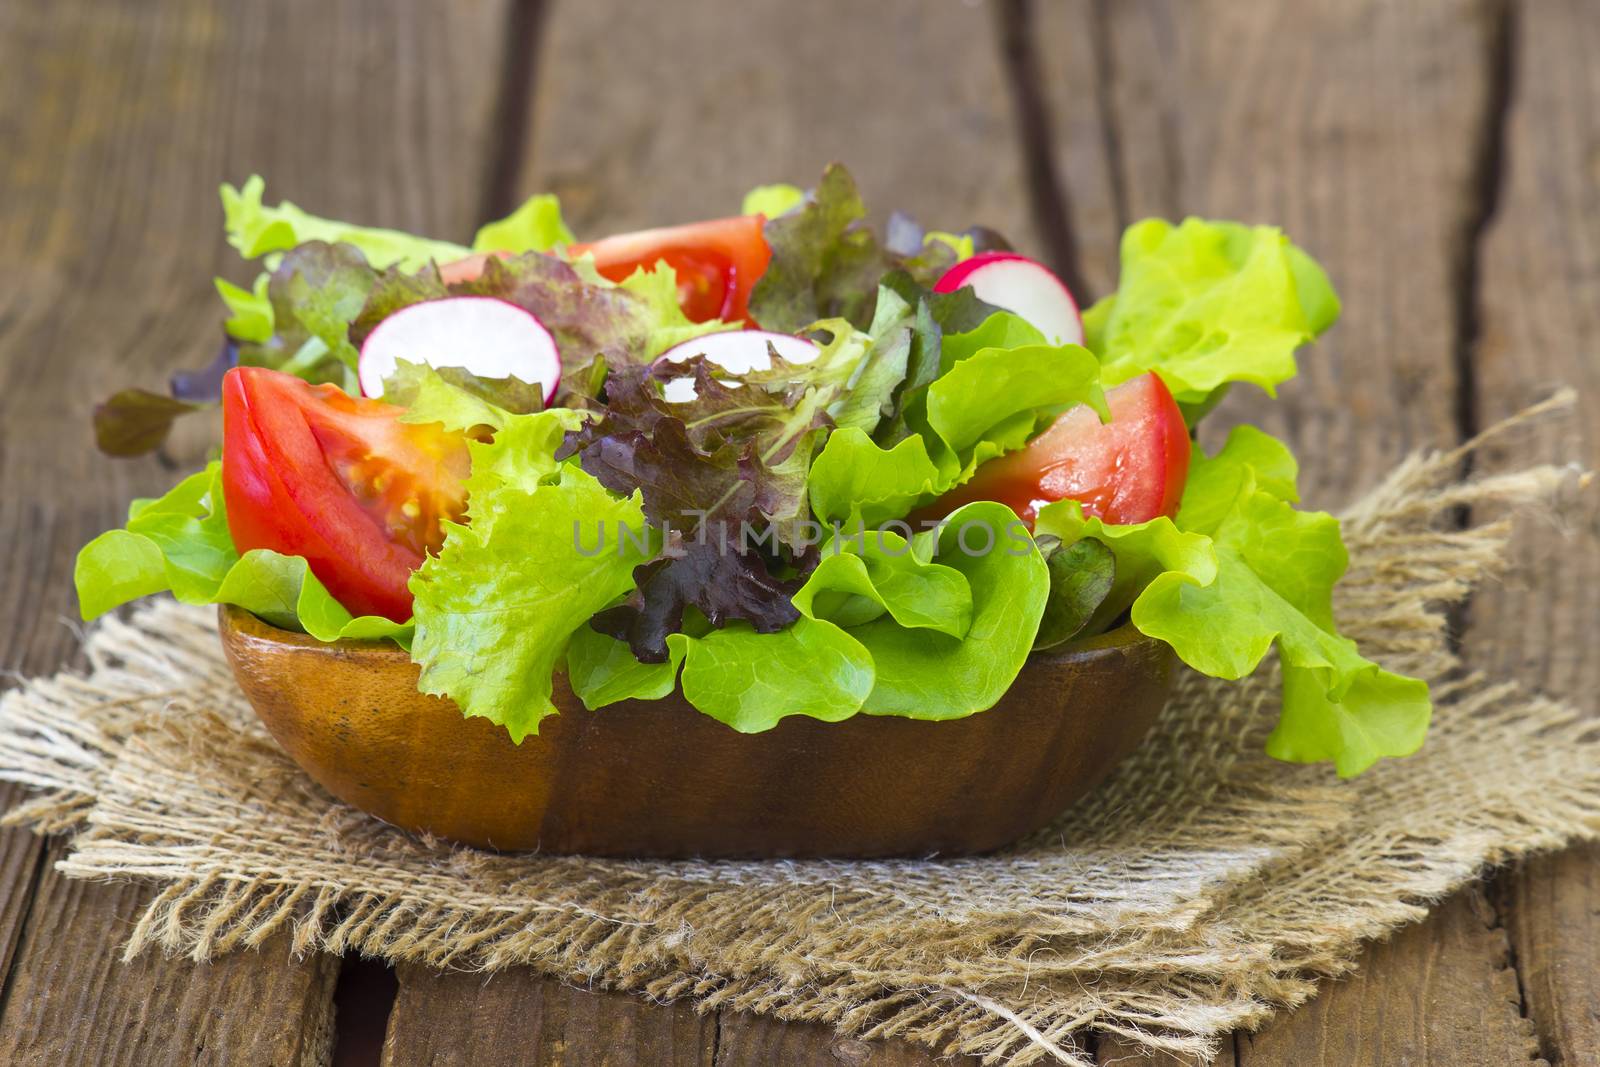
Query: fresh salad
<point x="788" y="462"/>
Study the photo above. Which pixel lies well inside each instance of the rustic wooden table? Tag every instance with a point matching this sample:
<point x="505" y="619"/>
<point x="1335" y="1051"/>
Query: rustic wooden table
<point x="1442" y="157"/>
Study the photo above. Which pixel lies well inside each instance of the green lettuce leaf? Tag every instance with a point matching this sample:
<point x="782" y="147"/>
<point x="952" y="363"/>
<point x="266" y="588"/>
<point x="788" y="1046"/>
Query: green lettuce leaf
<point x="257" y="229"/>
<point x="922" y="673"/>
<point x="751" y="680"/>
<point x="1141" y="552"/>
<point x="179" y="543"/>
<point x="855" y="481"/>
<point x="495" y="609"/>
<point x="603" y="670"/>
<point x="988" y="401"/>
<point x="772" y="200"/>
<point x="536" y="226"/>
<point x="1204" y="304"/>
<point x="875" y="572"/>
<point x="1242" y="571"/>
<point x="1276" y="568"/>
<point x="249" y="310"/>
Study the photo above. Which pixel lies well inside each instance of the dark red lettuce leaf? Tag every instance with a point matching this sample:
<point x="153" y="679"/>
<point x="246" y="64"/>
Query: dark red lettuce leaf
<point x="726" y="473"/>
<point x="136" y="421"/>
<point x="827" y="261"/>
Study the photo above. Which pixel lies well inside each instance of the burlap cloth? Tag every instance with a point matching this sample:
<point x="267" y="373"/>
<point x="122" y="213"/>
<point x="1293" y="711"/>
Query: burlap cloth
<point x="1202" y="888"/>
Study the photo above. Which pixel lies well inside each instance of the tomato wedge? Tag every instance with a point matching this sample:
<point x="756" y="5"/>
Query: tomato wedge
<point x="1128" y="470"/>
<point x="310" y="471"/>
<point x="717" y="262"/>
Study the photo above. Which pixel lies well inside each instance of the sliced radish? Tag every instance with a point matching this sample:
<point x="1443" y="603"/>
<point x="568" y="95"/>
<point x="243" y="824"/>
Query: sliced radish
<point x="488" y="337"/>
<point x="735" y="351"/>
<point x="1021" y="285"/>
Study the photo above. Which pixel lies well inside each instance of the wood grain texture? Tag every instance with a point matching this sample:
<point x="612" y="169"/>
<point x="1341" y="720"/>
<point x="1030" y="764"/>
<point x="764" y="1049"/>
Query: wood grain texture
<point x="515" y="1018"/>
<point x="120" y="119"/>
<point x="757" y="1041"/>
<point x="679" y="116"/>
<point x="20" y="855"/>
<point x="72" y="1000"/>
<point x="1538" y="325"/>
<point x="1352" y="124"/>
<point x="1440" y="994"/>
<point x="1551" y="906"/>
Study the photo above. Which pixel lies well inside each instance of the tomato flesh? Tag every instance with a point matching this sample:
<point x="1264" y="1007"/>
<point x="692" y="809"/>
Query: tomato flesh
<point x="1128" y="470"/>
<point x="717" y="262"/>
<point x="310" y="471"/>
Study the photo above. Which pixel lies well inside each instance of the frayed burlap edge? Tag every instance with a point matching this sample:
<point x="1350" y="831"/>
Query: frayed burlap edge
<point x="1014" y="980"/>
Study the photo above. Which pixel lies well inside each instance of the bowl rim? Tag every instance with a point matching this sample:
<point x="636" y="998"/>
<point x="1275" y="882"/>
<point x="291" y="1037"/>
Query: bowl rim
<point x="1108" y="644"/>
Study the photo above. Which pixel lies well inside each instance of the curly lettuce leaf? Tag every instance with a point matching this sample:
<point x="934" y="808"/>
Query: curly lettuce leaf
<point x="249" y="310"/>
<point x="460" y="400"/>
<point x="855" y="481"/>
<point x="1242" y="571"/>
<point x="317" y="290"/>
<point x="1275" y="573"/>
<point x="179" y="543"/>
<point x="496" y="607"/>
<point x="1205" y="303"/>
<point x="257" y="229"/>
<point x="536" y="226"/>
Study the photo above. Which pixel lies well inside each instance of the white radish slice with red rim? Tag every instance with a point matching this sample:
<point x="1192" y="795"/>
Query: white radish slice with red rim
<point x="487" y="337"/>
<point x="735" y="351"/>
<point x="1021" y="285"/>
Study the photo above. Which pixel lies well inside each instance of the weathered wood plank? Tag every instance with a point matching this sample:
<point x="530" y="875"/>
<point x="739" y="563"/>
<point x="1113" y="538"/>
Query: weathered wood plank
<point x="1550" y="912"/>
<point x="72" y="999"/>
<point x="1353" y="125"/>
<point x="517" y="1019"/>
<point x="677" y="117"/>
<point x="1538" y="321"/>
<point x="1440" y="993"/>
<point x="1362" y="129"/>
<point x="20" y="852"/>
<point x="756" y="1041"/>
<point x="120" y="120"/>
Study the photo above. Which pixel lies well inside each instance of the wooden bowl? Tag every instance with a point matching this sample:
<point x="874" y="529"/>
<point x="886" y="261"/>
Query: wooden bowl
<point x="657" y="778"/>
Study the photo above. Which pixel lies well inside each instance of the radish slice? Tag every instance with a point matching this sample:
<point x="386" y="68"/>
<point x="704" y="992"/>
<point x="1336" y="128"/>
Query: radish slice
<point x="1021" y="285"/>
<point x="488" y="337"/>
<point x="735" y="351"/>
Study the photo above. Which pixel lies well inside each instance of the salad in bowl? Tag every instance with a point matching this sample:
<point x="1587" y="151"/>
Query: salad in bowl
<point x="783" y="472"/>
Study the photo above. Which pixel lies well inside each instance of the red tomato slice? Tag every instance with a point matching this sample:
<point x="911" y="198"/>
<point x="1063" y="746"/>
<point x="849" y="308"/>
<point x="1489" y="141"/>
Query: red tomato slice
<point x="310" y="471"/>
<point x="717" y="262"/>
<point x="1128" y="470"/>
